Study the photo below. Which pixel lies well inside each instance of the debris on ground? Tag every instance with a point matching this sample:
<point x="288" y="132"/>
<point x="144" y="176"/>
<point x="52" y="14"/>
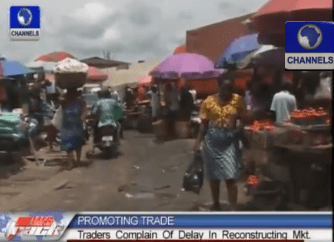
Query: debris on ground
<point x="122" y="188"/>
<point x="161" y="188"/>
<point x="61" y="185"/>
<point x="128" y="195"/>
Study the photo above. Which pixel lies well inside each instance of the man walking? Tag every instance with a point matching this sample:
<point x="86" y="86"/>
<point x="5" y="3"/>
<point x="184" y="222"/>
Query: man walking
<point x="284" y="103"/>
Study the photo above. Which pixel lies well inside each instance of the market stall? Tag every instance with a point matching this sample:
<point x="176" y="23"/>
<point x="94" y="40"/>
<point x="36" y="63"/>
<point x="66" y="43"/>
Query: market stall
<point x="295" y="154"/>
<point x="180" y="69"/>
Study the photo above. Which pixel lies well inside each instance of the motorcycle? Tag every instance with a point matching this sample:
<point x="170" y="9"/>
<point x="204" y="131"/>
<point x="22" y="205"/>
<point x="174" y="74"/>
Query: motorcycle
<point x="106" y="140"/>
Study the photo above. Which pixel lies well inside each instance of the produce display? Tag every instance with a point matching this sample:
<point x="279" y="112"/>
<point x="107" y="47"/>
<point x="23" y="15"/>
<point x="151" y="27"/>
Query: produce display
<point x="252" y="180"/>
<point x="262" y="125"/>
<point x="309" y="116"/>
<point x="70" y="73"/>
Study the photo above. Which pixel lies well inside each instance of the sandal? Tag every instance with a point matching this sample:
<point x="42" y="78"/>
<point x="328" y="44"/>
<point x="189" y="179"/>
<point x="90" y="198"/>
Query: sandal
<point x="216" y="208"/>
<point x="71" y="165"/>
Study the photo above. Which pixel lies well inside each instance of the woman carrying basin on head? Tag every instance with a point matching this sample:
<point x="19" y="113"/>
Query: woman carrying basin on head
<point x="72" y="133"/>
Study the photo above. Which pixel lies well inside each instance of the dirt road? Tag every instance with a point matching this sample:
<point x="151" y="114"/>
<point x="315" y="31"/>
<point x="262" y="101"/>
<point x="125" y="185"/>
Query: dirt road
<point x="146" y="177"/>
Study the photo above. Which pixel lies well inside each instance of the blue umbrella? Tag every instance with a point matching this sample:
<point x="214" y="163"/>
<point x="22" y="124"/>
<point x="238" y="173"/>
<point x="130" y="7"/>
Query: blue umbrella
<point x="238" y="49"/>
<point x="12" y="68"/>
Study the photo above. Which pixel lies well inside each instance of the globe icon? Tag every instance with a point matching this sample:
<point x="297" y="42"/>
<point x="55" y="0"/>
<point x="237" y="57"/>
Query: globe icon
<point x="24" y="16"/>
<point x="309" y="36"/>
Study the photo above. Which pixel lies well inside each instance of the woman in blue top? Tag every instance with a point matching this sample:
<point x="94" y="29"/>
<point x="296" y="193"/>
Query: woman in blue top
<point x="72" y="133"/>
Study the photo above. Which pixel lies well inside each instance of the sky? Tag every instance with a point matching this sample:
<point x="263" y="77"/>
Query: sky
<point x="131" y="30"/>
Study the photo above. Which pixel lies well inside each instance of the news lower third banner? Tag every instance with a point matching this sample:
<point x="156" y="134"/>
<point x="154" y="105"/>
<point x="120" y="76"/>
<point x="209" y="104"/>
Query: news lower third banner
<point x="58" y="226"/>
<point x="309" y="45"/>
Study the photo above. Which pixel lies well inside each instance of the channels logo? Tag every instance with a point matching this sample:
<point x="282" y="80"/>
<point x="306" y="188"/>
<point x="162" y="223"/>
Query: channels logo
<point x="309" y="36"/>
<point x="309" y="45"/>
<point x="24" y="23"/>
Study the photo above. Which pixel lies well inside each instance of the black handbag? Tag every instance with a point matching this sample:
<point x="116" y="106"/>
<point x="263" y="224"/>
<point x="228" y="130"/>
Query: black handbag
<point x="194" y="176"/>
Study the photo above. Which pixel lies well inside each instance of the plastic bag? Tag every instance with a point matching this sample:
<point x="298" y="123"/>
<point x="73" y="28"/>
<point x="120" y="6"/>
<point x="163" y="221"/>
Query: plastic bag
<point x="193" y="179"/>
<point x="57" y="120"/>
<point x="32" y="128"/>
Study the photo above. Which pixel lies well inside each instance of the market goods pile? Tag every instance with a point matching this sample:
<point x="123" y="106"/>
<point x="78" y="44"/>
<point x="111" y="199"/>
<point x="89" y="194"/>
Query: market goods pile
<point x="309" y="116"/>
<point x="262" y="125"/>
<point x="70" y="73"/>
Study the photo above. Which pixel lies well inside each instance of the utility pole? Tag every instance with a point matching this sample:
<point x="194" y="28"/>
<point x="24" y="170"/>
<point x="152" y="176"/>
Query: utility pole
<point x="106" y="55"/>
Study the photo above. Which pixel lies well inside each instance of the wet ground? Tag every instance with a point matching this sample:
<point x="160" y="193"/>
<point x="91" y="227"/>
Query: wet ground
<point x="146" y="176"/>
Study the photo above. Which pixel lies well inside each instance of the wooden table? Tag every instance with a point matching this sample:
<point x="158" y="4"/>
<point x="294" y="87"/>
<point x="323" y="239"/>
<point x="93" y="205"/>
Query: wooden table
<point x="302" y="162"/>
<point x="131" y="119"/>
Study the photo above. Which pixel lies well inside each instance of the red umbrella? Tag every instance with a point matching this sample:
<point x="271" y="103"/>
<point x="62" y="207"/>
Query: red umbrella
<point x="180" y="50"/>
<point x="50" y="77"/>
<point x="289" y="6"/>
<point x="270" y="19"/>
<point x="145" y="81"/>
<point x="55" y="56"/>
<point x="96" y="74"/>
<point x="50" y="81"/>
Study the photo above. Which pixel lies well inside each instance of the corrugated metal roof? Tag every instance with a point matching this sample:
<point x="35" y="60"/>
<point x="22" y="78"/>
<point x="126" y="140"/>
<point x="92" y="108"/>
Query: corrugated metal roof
<point x="131" y="75"/>
<point x="103" y="63"/>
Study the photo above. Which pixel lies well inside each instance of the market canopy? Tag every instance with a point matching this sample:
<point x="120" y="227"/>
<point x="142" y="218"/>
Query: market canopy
<point x="102" y="63"/>
<point x="13" y="68"/>
<point x="55" y="56"/>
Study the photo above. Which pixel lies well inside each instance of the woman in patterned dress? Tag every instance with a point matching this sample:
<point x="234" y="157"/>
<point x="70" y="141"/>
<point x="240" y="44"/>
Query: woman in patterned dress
<point x="221" y="135"/>
<point x="72" y="133"/>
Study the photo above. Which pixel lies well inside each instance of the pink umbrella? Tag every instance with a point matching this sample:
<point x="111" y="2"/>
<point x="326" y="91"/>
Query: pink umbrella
<point x="187" y="66"/>
<point x="96" y="74"/>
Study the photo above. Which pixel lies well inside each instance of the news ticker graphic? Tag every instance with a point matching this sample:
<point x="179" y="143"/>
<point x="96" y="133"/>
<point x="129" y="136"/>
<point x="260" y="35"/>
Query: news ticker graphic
<point x="240" y="240"/>
<point x="57" y="226"/>
<point x="24" y="22"/>
<point x="309" y="45"/>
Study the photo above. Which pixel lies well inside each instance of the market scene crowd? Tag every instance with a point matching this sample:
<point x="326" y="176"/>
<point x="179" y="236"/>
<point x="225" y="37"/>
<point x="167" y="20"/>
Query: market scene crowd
<point x="235" y="133"/>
